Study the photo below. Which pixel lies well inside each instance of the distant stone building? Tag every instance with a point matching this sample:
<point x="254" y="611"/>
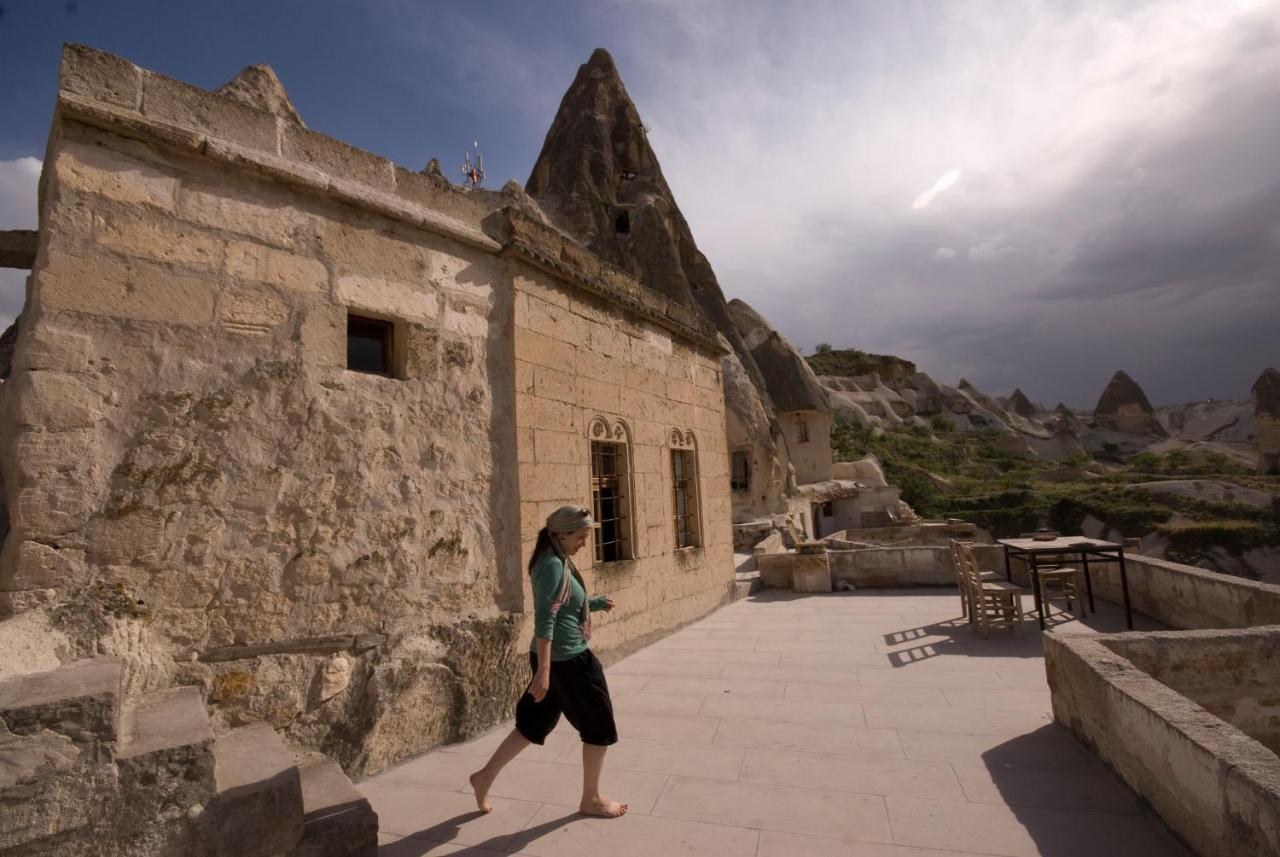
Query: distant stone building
<point x="284" y="419"/>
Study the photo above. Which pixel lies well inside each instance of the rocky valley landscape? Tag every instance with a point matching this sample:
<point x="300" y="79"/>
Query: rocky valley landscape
<point x="1196" y="482"/>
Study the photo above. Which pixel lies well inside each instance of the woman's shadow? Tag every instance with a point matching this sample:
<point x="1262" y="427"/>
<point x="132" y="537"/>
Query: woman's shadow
<point x="429" y="838"/>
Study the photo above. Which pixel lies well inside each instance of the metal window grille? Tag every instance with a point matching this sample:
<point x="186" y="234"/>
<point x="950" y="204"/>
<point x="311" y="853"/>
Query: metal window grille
<point x="740" y="476"/>
<point x="802" y="429"/>
<point x="685" y="488"/>
<point x="609" y="501"/>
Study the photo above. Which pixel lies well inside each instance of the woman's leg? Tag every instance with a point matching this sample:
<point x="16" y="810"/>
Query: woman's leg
<point x="482" y="779"/>
<point x="593" y="801"/>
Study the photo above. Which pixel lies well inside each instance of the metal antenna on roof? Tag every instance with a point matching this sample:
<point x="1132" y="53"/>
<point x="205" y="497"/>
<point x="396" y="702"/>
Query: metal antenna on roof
<point x="473" y="170"/>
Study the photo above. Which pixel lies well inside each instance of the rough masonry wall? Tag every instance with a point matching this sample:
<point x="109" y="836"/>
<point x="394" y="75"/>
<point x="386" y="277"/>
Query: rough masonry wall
<point x="182" y="437"/>
<point x="576" y="361"/>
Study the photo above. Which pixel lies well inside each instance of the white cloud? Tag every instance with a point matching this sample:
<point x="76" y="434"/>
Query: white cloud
<point x="990" y="250"/>
<point x="946" y="180"/>
<point x="944" y="253"/>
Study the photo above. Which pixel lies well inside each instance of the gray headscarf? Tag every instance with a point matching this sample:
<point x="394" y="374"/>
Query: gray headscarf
<point x="561" y="522"/>
<point x="568" y="519"/>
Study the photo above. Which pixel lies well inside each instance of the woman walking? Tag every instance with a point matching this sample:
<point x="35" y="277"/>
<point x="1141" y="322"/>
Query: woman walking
<point x="567" y="677"/>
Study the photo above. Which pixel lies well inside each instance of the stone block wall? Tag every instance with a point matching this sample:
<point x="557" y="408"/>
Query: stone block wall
<point x="584" y="373"/>
<point x="1186" y="597"/>
<point x="1215" y="786"/>
<point x="895" y="566"/>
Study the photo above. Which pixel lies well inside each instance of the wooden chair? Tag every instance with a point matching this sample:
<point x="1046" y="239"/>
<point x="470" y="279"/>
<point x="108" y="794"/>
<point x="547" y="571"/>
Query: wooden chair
<point x="957" y="568"/>
<point x="993" y="603"/>
<point x="1059" y="581"/>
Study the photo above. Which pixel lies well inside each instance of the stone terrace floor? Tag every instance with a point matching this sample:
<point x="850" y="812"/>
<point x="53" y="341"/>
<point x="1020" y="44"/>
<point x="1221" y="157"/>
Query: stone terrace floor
<point x="868" y="724"/>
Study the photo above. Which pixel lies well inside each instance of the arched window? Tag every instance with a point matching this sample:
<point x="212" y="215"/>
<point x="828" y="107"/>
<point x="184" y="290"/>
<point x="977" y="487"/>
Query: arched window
<point x="802" y="429"/>
<point x="611" y="489"/>
<point x="684" y="489"/>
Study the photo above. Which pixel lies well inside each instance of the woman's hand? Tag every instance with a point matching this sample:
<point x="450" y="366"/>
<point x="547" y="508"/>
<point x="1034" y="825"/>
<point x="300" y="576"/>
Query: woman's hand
<point x="540" y="685"/>
<point x="608" y="604"/>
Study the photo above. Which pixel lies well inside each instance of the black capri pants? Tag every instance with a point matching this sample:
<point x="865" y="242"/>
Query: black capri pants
<point x="578" y="690"/>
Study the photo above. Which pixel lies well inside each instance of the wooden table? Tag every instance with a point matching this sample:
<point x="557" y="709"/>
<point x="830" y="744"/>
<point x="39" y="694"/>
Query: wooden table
<point x="1032" y="551"/>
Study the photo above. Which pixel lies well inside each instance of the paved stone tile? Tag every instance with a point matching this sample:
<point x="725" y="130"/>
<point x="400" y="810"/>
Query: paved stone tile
<point x="830" y="675"/>
<point x="1049" y="748"/>
<point x="719" y="762"/>
<point x="562" y="737"/>
<point x="774" y="843"/>
<point x="868" y="694"/>
<point x="844" y="713"/>
<point x="720" y="658"/>
<point x="753" y="635"/>
<point x="1027" y="832"/>
<point x="656" y="703"/>
<point x="666" y="667"/>
<point x="546" y="782"/>
<point x="677" y="643"/>
<point x="837" y="659"/>
<point x="1033" y="700"/>
<point x="1095" y="790"/>
<point x="1010" y="723"/>
<point x="831" y="738"/>
<point x="441" y="816"/>
<point x="943" y="676"/>
<point x="1022" y="680"/>
<point x="874" y="776"/>
<point x="625" y="683"/>
<point x="396" y="846"/>
<point x="770" y="807"/>
<point x="754" y="688"/>
<point x="550" y="834"/>
<point x="666" y="727"/>
<point x="808" y="647"/>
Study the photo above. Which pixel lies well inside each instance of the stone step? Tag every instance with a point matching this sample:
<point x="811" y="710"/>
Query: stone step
<point x="166" y="770"/>
<point x="80" y="700"/>
<point x="337" y="819"/>
<point x="257" y="811"/>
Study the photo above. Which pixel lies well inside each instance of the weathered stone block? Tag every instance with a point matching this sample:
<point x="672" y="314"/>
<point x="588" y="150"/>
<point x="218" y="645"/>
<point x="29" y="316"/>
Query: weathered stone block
<point x="102" y="171"/>
<point x="54" y="401"/>
<point x="271" y="217"/>
<point x="337" y="158"/>
<point x="257" y="811"/>
<point x="324" y="337"/>
<point x="172" y="101"/>
<point x="533" y="347"/>
<point x="388" y="298"/>
<point x="465" y="321"/>
<point x="100" y="76"/>
<point x="554" y="384"/>
<point x="535" y="412"/>
<point x="55" y="348"/>
<point x="252" y="312"/>
<point x="592" y="392"/>
<point x="41" y="566"/>
<point x="139" y="291"/>
<point x="553" y="447"/>
<point x="79" y="700"/>
<point x="338" y="821"/>
<point x="276" y="268"/>
<point x="159" y="241"/>
<point x="48" y="508"/>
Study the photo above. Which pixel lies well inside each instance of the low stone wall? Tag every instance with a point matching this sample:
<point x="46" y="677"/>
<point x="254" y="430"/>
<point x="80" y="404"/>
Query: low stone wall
<point x="1182" y="596"/>
<point x="896" y="566"/>
<point x="930" y="533"/>
<point x="1213" y="785"/>
<point x="1234" y="674"/>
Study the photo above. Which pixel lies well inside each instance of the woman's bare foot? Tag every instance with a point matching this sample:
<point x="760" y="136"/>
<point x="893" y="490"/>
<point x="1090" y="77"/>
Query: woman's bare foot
<point x="480" y="785"/>
<point x="602" y="807"/>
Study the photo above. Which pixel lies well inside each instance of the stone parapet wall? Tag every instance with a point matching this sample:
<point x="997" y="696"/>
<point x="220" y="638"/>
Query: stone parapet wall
<point x="1212" y="784"/>
<point x="896" y="566"/>
<point x="1183" y="596"/>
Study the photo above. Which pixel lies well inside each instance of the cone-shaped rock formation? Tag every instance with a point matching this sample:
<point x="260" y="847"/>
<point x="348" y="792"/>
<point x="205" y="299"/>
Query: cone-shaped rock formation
<point x="791" y="384"/>
<point x="1266" y="409"/>
<point x="1124" y="407"/>
<point x="598" y="179"/>
<point x="1020" y="404"/>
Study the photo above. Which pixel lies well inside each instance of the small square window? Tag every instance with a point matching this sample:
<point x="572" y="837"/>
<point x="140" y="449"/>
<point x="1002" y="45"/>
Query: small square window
<point x="371" y="345"/>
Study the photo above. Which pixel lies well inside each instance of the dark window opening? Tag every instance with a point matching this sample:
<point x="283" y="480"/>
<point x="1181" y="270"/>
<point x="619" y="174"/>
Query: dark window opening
<point x="370" y="345"/>
<point x="628" y="175"/>
<point x="802" y="429"/>
<point x="740" y="471"/>
<point x="622" y="223"/>
<point x="609" y="501"/>
<point x="826" y="509"/>
<point x="685" y="490"/>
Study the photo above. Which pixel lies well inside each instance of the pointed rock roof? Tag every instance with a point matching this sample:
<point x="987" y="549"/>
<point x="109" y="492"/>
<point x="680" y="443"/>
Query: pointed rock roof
<point x="1266" y="394"/>
<point x="258" y="87"/>
<point x="598" y="179"/>
<point x="1121" y="391"/>
<point x="1020" y="404"/>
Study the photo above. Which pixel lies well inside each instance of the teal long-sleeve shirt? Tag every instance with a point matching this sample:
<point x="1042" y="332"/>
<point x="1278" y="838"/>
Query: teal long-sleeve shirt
<point x="564" y="629"/>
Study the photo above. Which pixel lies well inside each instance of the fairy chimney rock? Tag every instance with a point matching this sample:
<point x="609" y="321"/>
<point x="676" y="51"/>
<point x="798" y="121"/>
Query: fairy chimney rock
<point x="259" y="87"/>
<point x="1124" y="407"/>
<point x="1266" y="410"/>
<point x="1020" y="404"/>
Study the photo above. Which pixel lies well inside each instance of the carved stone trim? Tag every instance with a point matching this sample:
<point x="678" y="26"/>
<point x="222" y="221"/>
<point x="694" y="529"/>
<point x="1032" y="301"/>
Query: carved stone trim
<point x="608" y="430"/>
<point x="679" y="438"/>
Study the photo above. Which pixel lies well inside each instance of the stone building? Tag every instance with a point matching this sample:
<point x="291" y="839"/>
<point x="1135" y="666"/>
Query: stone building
<point x="284" y="418"/>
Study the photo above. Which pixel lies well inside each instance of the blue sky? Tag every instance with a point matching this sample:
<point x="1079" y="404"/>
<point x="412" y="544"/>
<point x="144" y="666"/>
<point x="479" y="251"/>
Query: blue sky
<point x="1020" y="192"/>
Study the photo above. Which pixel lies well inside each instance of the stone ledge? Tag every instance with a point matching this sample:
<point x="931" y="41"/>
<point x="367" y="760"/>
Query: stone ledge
<point x="324" y="645"/>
